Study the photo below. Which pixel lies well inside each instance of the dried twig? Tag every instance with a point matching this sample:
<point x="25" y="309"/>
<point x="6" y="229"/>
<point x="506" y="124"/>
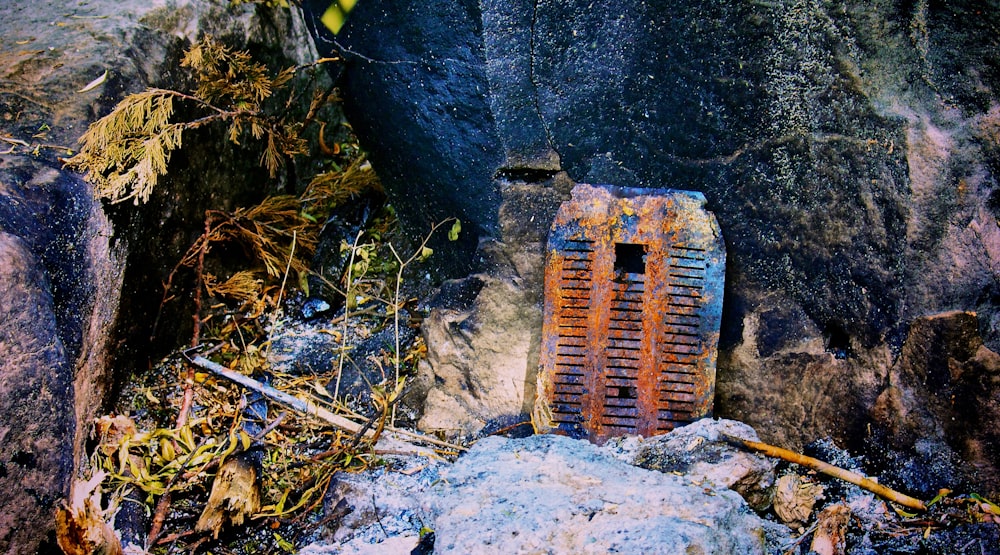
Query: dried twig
<point x="384" y="444"/>
<point x="188" y="399"/>
<point x="830" y="470"/>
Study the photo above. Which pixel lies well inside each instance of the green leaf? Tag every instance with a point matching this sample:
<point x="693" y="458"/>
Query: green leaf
<point x="456" y="228"/>
<point x="941" y="495"/>
<point x="425" y="253"/>
<point x="283" y="543"/>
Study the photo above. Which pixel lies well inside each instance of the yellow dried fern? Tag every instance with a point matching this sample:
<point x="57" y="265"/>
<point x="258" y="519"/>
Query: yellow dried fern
<point x="126" y="152"/>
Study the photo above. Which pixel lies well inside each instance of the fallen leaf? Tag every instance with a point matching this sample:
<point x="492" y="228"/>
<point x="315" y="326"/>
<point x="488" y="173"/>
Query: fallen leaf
<point x="831" y="529"/>
<point x="794" y="499"/>
<point x="235" y="495"/>
<point x="95" y="83"/>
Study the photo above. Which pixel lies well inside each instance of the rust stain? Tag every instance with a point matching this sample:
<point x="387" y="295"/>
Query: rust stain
<point x="633" y="302"/>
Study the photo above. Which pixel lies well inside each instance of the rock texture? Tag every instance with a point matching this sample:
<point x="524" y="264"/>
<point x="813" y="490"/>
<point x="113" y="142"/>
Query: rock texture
<point x="573" y="498"/>
<point x="65" y="265"/>
<point x="477" y="377"/>
<point x="941" y="405"/>
<point x="848" y="151"/>
<point x="36" y="423"/>
<point x="548" y="494"/>
<point x="700" y="452"/>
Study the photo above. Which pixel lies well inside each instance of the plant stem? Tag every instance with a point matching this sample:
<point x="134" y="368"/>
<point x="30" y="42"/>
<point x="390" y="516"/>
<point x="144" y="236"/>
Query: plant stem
<point x="347" y="307"/>
<point x="188" y="400"/>
<point x="830" y="470"/>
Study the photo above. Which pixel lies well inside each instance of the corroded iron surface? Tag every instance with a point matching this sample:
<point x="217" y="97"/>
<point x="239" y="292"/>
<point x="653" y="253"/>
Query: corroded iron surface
<point x="633" y="302"/>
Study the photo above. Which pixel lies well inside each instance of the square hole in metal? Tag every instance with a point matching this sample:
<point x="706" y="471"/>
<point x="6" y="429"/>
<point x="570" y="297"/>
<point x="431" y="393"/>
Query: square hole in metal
<point x="630" y="258"/>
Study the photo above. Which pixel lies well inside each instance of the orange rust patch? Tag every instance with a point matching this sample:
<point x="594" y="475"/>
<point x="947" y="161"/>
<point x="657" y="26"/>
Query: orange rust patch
<point x="633" y="303"/>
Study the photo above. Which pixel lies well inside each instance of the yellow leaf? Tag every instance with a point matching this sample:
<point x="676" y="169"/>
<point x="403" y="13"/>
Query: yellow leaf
<point x="154" y="487"/>
<point x="319" y="389"/>
<point x="336" y="15"/>
<point x="456" y="228"/>
<point x="167" y="450"/>
<point x="283" y="543"/>
<point x="186" y="437"/>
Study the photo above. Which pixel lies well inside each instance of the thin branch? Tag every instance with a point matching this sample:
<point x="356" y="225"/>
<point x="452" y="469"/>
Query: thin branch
<point x="830" y="470"/>
<point x="281" y="292"/>
<point x="384" y="444"/>
<point x="188" y="399"/>
<point x="415" y="435"/>
<point x="347" y="306"/>
<point x="399" y="283"/>
<point x="191" y="98"/>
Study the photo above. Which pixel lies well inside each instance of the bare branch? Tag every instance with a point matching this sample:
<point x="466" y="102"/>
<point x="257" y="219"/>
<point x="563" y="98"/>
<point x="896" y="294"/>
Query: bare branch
<point x="830" y="470"/>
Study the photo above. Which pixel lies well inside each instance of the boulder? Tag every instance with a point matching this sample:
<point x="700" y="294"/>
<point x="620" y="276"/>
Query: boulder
<point x="36" y="421"/>
<point x="477" y="376"/>
<point x="542" y="494"/>
<point x="570" y="497"/>
<point x="701" y="452"/>
<point x="940" y="406"/>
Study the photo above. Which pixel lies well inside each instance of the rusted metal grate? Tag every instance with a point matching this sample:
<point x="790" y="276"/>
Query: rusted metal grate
<point x="633" y="301"/>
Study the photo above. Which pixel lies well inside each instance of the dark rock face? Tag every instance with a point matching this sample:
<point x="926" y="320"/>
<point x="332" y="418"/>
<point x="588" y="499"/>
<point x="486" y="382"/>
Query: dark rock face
<point x="941" y="404"/>
<point x="430" y="74"/>
<point x="848" y="151"/>
<point x="36" y="421"/>
<point x="760" y="108"/>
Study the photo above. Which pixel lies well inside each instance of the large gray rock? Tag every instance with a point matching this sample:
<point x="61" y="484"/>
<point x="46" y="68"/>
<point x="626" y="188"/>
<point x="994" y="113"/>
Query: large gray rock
<point x="847" y="149"/>
<point x="701" y="452"/>
<point x="64" y="270"/>
<point x="478" y="375"/>
<point x="542" y="494"/>
<point x="551" y="494"/>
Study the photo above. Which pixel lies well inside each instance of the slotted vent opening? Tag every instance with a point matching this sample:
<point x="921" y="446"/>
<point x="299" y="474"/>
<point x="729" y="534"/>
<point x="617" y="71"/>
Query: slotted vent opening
<point x="623" y="351"/>
<point x="681" y="341"/>
<point x="575" y="281"/>
<point x="630" y="258"/>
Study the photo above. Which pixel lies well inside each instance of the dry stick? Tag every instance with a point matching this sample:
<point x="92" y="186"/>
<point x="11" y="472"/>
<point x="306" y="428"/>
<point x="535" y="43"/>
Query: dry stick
<point x="196" y="334"/>
<point x="307" y="407"/>
<point x="416" y="436"/>
<point x="830" y="470"/>
<point x="163" y="504"/>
